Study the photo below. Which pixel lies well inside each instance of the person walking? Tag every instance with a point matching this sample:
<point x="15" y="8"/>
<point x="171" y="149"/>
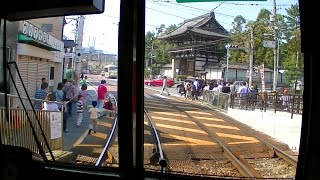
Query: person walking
<point x="94" y="115"/>
<point x="164" y="85"/>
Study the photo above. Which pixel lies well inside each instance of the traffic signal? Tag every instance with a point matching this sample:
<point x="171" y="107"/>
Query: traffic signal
<point x="78" y="57"/>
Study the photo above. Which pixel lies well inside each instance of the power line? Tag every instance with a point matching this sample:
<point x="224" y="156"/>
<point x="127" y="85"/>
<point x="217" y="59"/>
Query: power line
<point x="166" y="13"/>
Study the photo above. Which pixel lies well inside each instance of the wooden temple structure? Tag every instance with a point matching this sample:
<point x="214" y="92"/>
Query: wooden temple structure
<point x="198" y="42"/>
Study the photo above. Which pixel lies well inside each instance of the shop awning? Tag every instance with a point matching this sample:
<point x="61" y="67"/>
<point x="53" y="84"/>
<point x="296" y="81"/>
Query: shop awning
<point x="27" y="40"/>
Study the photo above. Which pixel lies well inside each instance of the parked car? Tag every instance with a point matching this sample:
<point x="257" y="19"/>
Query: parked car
<point x="158" y="82"/>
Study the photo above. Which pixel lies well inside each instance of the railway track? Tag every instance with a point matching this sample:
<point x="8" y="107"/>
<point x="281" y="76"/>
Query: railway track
<point x="223" y="147"/>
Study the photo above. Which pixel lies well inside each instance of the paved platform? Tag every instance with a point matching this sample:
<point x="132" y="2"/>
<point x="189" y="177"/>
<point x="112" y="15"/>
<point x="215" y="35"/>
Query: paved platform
<point x="278" y="125"/>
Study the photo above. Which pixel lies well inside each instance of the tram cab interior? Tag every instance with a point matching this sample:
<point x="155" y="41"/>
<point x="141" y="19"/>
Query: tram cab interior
<point x="19" y="163"/>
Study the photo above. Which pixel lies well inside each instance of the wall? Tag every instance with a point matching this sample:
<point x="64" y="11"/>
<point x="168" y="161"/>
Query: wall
<point x="57" y="23"/>
<point x="166" y="71"/>
<point x="213" y="73"/>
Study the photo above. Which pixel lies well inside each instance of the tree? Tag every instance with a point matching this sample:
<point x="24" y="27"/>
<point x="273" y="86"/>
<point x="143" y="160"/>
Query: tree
<point x="238" y="37"/>
<point x="160" y="48"/>
<point x="293" y="35"/>
<point x="293" y="71"/>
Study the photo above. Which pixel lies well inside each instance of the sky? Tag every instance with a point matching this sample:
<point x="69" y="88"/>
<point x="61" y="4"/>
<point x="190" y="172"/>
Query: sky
<point x="101" y="30"/>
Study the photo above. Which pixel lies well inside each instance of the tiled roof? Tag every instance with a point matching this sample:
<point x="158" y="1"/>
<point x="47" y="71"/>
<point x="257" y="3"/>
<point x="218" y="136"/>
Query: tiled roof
<point x="194" y="25"/>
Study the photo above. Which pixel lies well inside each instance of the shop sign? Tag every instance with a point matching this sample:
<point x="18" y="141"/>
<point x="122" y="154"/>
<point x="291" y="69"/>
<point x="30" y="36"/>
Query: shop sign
<point x="41" y="36"/>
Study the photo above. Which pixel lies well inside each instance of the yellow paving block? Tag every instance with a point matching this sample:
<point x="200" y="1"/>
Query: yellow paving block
<point x="180" y="128"/>
<point x="193" y="141"/>
<point x="221" y="126"/>
<point x="105" y="124"/>
<point x="173" y="120"/>
<point x="99" y="135"/>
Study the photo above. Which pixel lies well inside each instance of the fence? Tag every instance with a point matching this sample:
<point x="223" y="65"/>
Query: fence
<point x="17" y="130"/>
<point x="216" y="99"/>
<point x="292" y="103"/>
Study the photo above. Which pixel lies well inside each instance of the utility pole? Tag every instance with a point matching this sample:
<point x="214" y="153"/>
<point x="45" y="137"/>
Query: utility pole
<point x="275" y="63"/>
<point x="251" y="57"/>
<point x="79" y="31"/>
<point x="151" y="58"/>
<point x="228" y="56"/>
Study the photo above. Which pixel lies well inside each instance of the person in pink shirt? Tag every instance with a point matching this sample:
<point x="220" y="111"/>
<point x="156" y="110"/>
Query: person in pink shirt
<point x="102" y="91"/>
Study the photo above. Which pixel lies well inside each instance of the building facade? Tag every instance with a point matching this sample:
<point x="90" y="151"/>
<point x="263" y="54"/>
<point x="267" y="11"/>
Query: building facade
<point x="198" y="41"/>
<point x="39" y="54"/>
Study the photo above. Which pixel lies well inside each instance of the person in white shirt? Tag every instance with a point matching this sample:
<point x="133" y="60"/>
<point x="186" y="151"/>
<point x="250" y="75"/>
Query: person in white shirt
<point x="164" y="85"/>
<point x="94" y="115"/>
<point x="50" y="105"/>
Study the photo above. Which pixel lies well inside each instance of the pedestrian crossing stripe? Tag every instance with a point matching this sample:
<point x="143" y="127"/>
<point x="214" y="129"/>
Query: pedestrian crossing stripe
<point x="181" y="128"/>
<point x="191" y="141"/>
<point x="244" y="139"/>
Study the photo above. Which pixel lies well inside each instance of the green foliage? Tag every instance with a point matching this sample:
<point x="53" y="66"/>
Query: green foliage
<point x="293" y="71"/>
<point x="68" y="74"/>
<point x="157" y="49"/>
<point x="288" y="33"/>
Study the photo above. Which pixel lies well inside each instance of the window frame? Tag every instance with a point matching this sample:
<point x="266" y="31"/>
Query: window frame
<point x="131" y="46"/>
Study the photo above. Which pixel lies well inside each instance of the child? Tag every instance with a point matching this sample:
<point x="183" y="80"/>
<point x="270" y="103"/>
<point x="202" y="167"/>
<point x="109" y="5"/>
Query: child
<point x="108" y="106"/>
<point x="94" y="115"/>
<point x="79" y="110"/>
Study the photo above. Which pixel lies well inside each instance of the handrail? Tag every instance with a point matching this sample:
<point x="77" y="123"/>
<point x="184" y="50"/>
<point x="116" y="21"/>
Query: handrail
<point x="34" y="99"/>
<point x="103" y="154"/>
<point x="42" y="153"/>
<point x="162" y="161"/>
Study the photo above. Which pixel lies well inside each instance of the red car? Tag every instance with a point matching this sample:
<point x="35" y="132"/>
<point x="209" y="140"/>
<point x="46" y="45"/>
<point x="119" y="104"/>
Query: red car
<point x="158" y="82"/>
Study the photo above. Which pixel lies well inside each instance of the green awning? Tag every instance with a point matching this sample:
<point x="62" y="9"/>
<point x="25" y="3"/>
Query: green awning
<point x="27" y="40"/>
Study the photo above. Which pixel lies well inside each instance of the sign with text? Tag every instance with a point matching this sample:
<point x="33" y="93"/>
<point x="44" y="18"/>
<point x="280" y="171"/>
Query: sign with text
<point x="263" y="85"/>
<point x="55" y="125"/>
<point x="191" y="1"/>
<point x="269" y="44"/>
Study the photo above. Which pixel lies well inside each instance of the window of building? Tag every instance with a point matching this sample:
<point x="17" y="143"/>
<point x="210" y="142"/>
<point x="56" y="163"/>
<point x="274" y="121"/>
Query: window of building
<point x="47" y="27"/>
<point x="51" y="73"/>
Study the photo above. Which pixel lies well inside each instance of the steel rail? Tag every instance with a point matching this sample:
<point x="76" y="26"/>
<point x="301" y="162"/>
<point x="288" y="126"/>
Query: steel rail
<point x="104" y="153"/>
<point x="162" y="161"/>
<point x="238" y="162"/>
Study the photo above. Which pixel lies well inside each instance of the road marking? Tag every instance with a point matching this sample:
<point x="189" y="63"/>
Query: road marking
<point x="245" y="139"/>
<point x="197" y="112"/>
<point x="164" y="108"/>
<point x="173" y="120"/>
<point x="99" y="135"/>
<point x="181" y="128"/>
<point x="210" y="119"/>
<point x="170" y="114"/>
<point x="81" y="138"/>
<point x="100" y="123"/>
<point x="191" y="140"/>
<point x="221" y="126"/>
